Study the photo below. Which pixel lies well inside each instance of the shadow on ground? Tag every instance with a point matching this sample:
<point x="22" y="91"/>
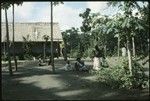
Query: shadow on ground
<point x="32" y="82"/>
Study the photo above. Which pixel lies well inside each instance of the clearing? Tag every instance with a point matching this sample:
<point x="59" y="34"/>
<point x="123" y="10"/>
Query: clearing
<point x="33" y="82"/>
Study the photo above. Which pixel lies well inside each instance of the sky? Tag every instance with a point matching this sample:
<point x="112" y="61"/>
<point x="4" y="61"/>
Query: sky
<point x="67" y="14"/>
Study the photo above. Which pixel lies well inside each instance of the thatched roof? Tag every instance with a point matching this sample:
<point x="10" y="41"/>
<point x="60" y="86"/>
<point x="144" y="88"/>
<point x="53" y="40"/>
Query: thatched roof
<point x="34" y="31"/>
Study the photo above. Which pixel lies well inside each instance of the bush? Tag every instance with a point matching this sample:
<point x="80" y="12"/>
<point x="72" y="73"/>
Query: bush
<point x="88" y="53"/>
<point x="119" y="77"/>
<point x="74" y="53"/>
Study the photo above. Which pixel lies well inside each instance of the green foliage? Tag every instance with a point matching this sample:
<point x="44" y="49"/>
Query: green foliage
<point x="101" y="29"/>
<point x="5" y="5"/>
<point x="27" y="45"/>
<point x="57" y="3"/>
<point x="88" y="53"/>
<point x="119" y="77"/>
<point x="85" y="29"/>
<point x="86" y="20"/>
<point x="8" y="4"/>
<point x="71" y="39"/>
<point x="74" y="53"/>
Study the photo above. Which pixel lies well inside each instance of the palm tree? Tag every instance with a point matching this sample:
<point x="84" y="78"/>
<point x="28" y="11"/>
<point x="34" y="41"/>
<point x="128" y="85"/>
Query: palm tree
<point x="5" y="6"/>
<point x="45" y="37"/>
<point x="52" y="57"/>
<point x="18" y="3"/>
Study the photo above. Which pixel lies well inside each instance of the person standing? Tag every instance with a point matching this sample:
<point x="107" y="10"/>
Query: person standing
<point x="96" y="59"/>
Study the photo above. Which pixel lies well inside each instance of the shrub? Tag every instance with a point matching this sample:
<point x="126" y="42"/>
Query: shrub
<point x="119" y="77"/>
<point x="88" y="53"/>
<point x="74" y="53"/>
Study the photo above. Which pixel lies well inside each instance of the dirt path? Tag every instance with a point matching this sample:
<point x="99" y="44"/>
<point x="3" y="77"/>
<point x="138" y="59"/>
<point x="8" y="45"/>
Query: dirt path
<point x="34" y="82"/>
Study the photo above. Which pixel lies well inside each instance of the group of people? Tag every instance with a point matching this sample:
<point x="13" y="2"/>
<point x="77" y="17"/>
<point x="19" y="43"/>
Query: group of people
<point x="98" y="61"/>
<point x="79" y="65"/>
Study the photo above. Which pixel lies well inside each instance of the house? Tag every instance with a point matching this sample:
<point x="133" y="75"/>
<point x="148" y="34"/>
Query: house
<point x="32" y="34"/>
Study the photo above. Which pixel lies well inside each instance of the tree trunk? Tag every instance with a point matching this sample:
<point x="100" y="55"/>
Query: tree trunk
<point x="105" y="47"/>
<point x="8" y="48"/>
<point x="52" y="58"/>
<point x="129" y="56"/>
<point x="4" y="51"/>
<point x="15" y="60"/>
<point x="148" y="46"/>
<point x="141" y="46"/>
<point x="118" y="45"/>
<point x="65" y="50"/>
<point x="133" y="45"/>
<point x="44" y="52"/>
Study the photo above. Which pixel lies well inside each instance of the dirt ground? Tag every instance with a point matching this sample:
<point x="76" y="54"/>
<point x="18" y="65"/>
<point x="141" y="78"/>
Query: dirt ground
<point x="33" y="82"/>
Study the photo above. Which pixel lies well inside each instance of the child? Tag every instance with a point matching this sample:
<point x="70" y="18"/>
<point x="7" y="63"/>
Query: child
<point x="68" y="66"/>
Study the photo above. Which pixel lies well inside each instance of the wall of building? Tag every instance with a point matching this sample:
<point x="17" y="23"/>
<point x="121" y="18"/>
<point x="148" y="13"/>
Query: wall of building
<point x="37" y="48"/>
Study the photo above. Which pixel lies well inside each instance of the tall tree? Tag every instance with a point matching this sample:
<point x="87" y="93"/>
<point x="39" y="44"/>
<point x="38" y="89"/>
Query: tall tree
<point x="144" y="12"/>
<point x="100" y="31"/>
<point x="85" y="29"/>
<point x="71" y="36"/>
<point x="114" y="26"/>
<point x="52" y="57"/>
<point x="5" y="6"/>
<point x="128" y="25"/>
<point x="15" y="60"/>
